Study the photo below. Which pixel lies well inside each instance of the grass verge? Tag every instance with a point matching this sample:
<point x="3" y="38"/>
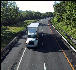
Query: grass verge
<point x="67" y="29"/>
<point x="9" y="32"/>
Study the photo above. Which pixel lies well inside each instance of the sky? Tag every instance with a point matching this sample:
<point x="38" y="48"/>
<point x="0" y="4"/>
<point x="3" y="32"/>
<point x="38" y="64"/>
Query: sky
<point x="40" y="6"/>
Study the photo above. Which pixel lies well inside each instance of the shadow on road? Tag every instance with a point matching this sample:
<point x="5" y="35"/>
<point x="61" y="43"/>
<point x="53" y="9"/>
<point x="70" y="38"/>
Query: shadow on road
<point x="49" y="43"/>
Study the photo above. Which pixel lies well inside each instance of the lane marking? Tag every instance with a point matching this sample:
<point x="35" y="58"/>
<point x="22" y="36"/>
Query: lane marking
<point x="53" y="26"/>
<point x="21" y="59"/>
<point x="44" y="66"/>
<point x="58" y="32"/>
<point x="68" y="61"/>
<point x="67" y="42"/>
<point x="65" y="55"/>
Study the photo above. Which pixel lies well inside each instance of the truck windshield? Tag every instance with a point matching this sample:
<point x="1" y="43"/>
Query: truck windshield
<point x="31" y="36"/>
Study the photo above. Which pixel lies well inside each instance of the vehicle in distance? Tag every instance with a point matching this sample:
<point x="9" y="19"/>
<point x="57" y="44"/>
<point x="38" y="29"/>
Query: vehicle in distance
<point x="32" y="35"/>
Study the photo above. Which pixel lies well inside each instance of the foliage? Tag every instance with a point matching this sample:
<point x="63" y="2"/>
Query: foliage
<point x="9" y="32"/>
<point x="14" y="20"/>
<point x="65" y="18"/>
<point x="11" y="15"/>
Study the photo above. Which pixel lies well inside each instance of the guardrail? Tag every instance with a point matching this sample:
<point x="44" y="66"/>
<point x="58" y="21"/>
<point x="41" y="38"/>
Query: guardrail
<point x="69" y="37"/>
<point x="7" y="49"/>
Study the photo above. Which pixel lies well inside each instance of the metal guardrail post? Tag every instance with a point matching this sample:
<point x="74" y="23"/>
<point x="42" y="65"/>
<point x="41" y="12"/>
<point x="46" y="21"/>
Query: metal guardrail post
<point x="5" y="51"/>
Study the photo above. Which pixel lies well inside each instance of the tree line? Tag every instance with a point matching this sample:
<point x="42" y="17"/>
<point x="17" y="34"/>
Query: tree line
<point x="65" y="12"/>
<point x="11" y="15"/>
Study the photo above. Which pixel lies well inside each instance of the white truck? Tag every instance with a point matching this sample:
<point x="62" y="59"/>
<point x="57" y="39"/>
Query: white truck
<point x="32" y="36"/>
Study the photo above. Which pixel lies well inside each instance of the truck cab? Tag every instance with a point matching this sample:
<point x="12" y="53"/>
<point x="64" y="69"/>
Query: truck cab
<point x="32" y="41"/>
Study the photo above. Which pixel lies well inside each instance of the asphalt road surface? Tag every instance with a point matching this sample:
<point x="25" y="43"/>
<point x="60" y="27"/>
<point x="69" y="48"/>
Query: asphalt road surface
<point x="48" y="55"/>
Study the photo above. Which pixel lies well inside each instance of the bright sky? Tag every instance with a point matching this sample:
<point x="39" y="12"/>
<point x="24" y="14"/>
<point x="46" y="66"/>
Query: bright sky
<point x="41" y="6"/>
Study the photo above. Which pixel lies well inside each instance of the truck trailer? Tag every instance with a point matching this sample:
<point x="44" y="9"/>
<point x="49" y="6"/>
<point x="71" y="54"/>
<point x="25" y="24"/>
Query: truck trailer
<point x="32" y="35"/>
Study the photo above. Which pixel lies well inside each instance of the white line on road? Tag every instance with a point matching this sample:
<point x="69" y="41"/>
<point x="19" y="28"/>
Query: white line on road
<point x="21" y="59"/>
<point x="58" y="32"/>
<point x="67" y="42"/>
<point x="53" y="26"/>
<point x="44" y="66"/>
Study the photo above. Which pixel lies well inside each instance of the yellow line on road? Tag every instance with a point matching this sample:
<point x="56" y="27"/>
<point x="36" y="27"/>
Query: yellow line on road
<point x="65" y="56"/>
<point x="64" y="53"/>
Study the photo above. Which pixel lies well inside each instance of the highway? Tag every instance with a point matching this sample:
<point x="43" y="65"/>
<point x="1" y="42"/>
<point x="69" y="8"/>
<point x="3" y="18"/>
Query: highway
<point x="48" y="56"/>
